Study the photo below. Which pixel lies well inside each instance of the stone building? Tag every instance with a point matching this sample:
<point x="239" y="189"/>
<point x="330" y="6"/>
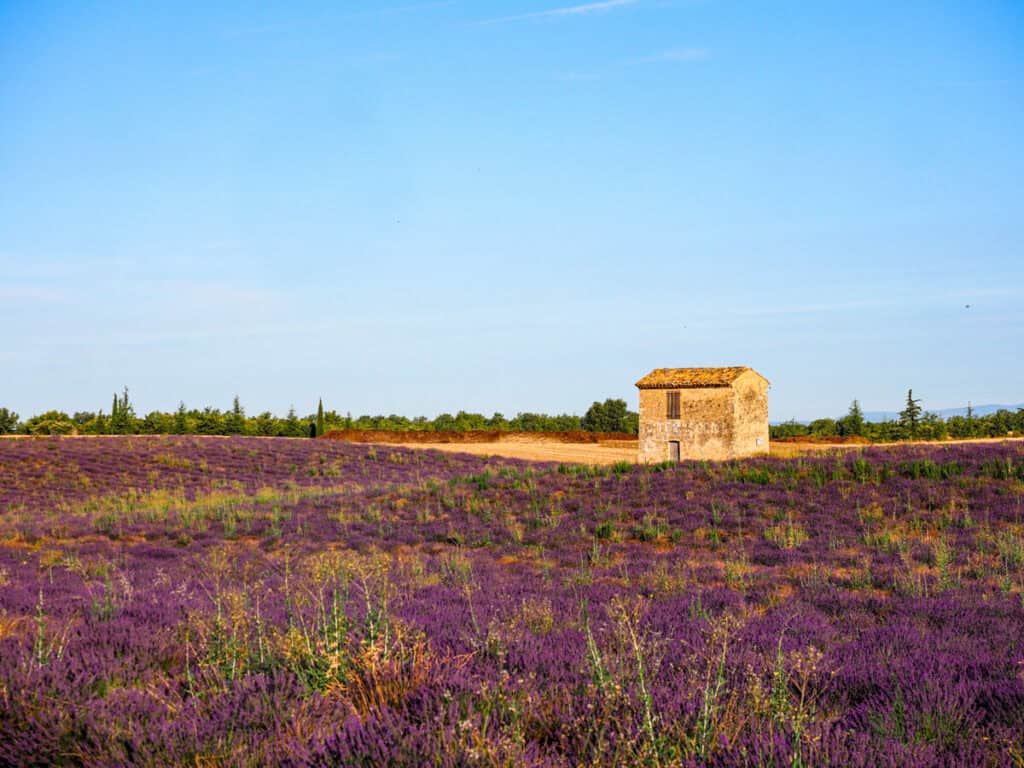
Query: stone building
<point x="702" y="413"/>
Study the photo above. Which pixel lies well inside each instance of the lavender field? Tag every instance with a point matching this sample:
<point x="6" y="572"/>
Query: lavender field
<point x="246" y="601"/>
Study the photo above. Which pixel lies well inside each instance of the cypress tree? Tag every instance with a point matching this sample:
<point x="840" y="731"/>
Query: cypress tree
<point x="292" y="425"/>
<point x="180" y="420"/>
<point x="853" y="422"/>
<point x="911" y="415"/>
<point x="235" y="421"/>
<point x="320" y="419"/>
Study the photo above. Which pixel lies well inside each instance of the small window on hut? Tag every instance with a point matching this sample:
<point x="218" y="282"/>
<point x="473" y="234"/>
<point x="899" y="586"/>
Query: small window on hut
<point x="672" y="406"/>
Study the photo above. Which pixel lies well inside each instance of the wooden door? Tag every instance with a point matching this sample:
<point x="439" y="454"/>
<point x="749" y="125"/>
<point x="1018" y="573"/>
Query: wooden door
<point x="673" y="450"/>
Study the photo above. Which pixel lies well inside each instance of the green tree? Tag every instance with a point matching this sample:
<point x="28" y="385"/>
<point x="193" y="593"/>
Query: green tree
<point x="594" y="419"/>
<point x="209" y="421"/>
<point x="180" y="419"/>
<point x="157" y="423"/>
<point x="98" y="425"/>
<point x="292" y="427"/>
<point x="823" y="428"/>
<point x="266" y="424"/>
<point x="234" y="420"/>
<point x="497" y="421"/>
<point x="853" y="422"/>
<point x="932" y="427"/>
<point x="81" y="418"/>
<point x="320" y="418"/>
<point x="464" y="421"/>
<point x="610" y="416"/>
<point x="8" y="422"/>
<point x="122" y="415"/>
<point x="50" y="423"/>
<point x="445" y="422"/>
<point x="910" y="416"/>
<point x="791" y="428"/>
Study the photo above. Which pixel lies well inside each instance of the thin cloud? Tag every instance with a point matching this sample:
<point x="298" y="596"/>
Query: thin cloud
<point x="584" y="9"/>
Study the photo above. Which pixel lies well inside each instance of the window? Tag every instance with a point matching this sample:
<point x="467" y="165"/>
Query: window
<point x="672" y="406"/>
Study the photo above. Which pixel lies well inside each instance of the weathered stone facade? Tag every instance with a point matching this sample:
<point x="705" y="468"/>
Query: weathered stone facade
<point x="722" y="414"/>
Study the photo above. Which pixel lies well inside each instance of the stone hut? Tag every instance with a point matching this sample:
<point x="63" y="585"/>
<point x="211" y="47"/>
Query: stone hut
<point x="702" y="413"/>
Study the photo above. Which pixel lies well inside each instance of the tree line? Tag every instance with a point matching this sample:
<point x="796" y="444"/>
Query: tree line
<point x="612" y="415"/>
<point x="913" y="423"/>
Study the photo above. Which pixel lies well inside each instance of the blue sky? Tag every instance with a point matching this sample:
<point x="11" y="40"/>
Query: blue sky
<point x="504" y="206"/>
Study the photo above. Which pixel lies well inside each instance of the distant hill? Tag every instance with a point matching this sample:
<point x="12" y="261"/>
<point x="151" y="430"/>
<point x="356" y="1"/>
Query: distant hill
<point x="979" y="410"/>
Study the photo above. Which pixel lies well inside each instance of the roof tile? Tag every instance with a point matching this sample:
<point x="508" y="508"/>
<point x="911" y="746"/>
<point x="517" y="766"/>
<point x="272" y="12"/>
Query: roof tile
<point x="671" y="378"/>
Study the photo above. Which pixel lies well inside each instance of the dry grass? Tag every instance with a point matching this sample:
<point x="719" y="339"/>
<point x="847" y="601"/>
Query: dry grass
<point x="605" y="452"/>
<point x="541" y="450"/>
<point x="789" y="449"/>
<point x="613" y="451"/>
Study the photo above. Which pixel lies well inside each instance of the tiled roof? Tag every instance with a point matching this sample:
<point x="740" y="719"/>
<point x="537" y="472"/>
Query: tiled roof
<point x="671" y="378"/>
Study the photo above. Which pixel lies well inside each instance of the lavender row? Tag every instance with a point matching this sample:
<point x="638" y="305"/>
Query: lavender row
<point x="248" y="602"/>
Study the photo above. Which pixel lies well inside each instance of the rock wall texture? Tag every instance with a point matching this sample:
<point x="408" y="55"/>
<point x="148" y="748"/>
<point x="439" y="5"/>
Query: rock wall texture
<point x="750" y="404"/>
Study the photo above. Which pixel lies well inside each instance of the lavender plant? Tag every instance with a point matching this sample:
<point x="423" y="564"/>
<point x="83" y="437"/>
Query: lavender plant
<point x="175" y="600"/>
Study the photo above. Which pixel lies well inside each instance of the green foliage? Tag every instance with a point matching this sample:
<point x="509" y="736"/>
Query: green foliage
<point x="853" y="422"/>
<point x="926" y="468"/>
<point x="50" y="423"/>
<point x="292" y="426"/>
<point x="122" y="416"/>
<point x="791" y="428"/>
<point x="911" y="415"/>
<point x="180" y="426"/>
<point x="157" y="423"/>
<point x="913" y="423"/>
<point x="8" y="422"/>
<point x="234" y="420"/>
<point x="610" y="416"/>
<point x="823" y="427"/>
<point x="1003" y="469"/>
<point x="649" y="528"/>
<point x="746" y="473"/>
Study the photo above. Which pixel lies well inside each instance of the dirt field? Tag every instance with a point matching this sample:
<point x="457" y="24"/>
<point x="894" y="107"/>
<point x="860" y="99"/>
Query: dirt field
<point x="570" y="447"/>
<point x="612" y="451"/>
<point x="601" y="453"/>
<point x="787" y="449"/>
<point x="575" y="453"/>
<point x="603" y="449"/>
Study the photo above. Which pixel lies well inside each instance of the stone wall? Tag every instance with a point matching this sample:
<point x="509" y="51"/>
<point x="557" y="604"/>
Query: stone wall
<point x="715" y="424"/>
<point x="750" y="407"/>
<point x="705" y="429"/>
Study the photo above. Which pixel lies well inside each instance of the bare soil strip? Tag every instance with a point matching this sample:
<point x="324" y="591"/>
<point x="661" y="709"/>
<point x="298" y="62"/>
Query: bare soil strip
<point x="548" y="447"/>
<point x="570" y="453"/>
